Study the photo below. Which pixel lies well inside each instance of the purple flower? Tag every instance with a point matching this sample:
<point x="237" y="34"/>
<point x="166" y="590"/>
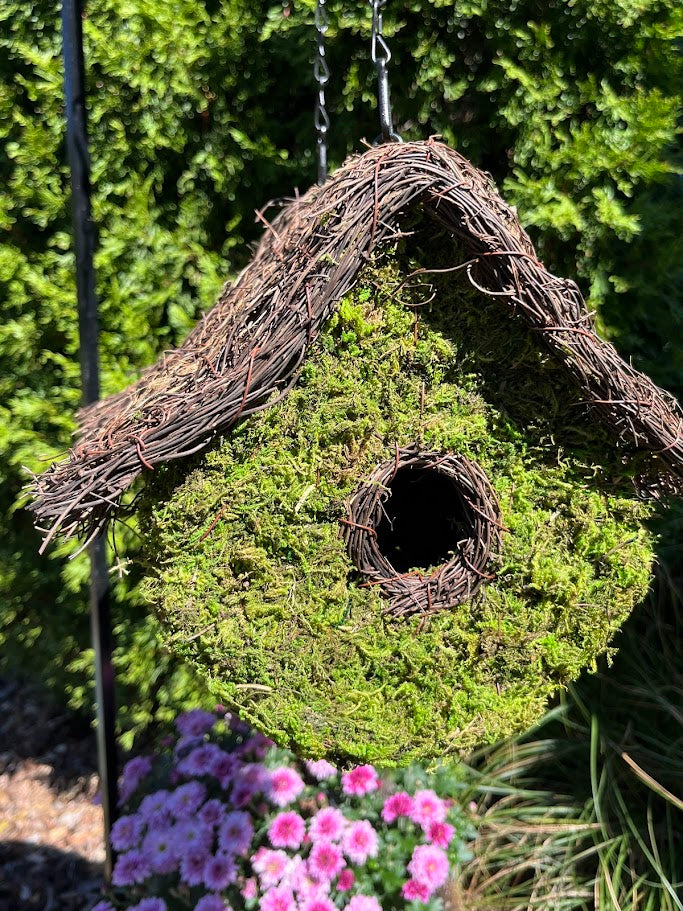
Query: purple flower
<point x="211" y="814"/>
<point x="126" y="832"/>
<point x="211" y="903"/>
<point x="284" y="786"/>
<point x="185" y="800"/>
<point x="200" y="760"/>
<point x="320" y="769"/>
<point x="236" y="832"/>
<point x="250" y="780"/>
<point x="192" y="866"/>
<point x="219" y="871"/>
<point x="154" y="810"/>
<point x="103" y="906"/>
<point x="130" y="868"/>
<point x="195" y="722"/>
<point x="133" y="773"/>
<point x="149" y="904"/>
<point x="191" y="833"/>
<point x="223" y="767"/>
<point x="159" y="848"/>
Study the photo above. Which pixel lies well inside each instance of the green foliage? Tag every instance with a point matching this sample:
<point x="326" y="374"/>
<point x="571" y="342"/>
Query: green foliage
<point x="201" y="111"/>
<point x="253" y="582"/>
<point x="586" y="812"/>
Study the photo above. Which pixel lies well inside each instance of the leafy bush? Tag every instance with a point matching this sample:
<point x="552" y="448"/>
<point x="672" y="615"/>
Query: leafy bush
<point x="221" y="816"/>
<point x="201" y="111"/>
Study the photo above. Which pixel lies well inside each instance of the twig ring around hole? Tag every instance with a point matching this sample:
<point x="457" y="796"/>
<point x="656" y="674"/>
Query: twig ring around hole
<point x="468" y="537"/>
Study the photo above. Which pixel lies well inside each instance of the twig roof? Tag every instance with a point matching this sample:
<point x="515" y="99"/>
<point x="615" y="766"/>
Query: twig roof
<point x="247" y="350"/>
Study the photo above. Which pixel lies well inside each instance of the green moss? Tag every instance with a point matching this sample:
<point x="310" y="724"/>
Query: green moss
<point x="265" y="601"/>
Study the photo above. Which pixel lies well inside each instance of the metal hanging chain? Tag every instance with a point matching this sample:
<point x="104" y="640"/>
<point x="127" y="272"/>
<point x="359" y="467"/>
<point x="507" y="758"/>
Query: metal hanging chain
<point x="381" y="55"/>
<point x="322" y="75"/>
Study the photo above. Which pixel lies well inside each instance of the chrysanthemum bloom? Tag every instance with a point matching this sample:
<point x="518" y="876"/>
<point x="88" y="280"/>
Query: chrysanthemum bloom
<point x="149" y="904"/>
<point x="360" y="841"/>
<point x="413" y="891"/>
<point x="346" y="879"/>
<point x="199" y="760"/>
<point x="159" y="848"/>
<point x="249" y="889"/>
<point x="279" y="898"/>
<point x="325" y="860"/>
<point x="285" y="786"/>
<point x="236" y="832"/>
<point x="440" y="834"/>
<point x="223" y="767"/>
<point x="219" y="871"/>
<point x="212" y="903"/>
<point x="321" y="769"/>
<point x="428" y="808"/>
<point x="306" y="886"/>
<point x="212" y="813"/>
<point x="130" y="868"/>
<point x="249" y="780"/>
<point x="189" y="833"/>
<point x="318" y="904"/>
<point x="287" y="830"/>
<point x="429" y="865"/>
<point x="363" y="903"/>
<point x="270" y="866"/>
<point x="127" y="832"/>
<point x="192" y="866"/>
<point x="133" y="773"/>
<point x="328" y="823"/>
<point x="361" y="780"/>
<point x="185" y="800"/>
<point x="195" y="722"/>
<point x="399" y="804"/>
<point x="103" y="906"/>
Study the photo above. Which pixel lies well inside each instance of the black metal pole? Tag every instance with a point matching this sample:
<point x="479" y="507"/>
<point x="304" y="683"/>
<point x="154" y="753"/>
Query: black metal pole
<point x="84" y="247"/>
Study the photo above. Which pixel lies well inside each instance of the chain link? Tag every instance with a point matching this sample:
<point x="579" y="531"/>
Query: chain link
<point x="381" y="55"/>
<point x="321" y="72"/>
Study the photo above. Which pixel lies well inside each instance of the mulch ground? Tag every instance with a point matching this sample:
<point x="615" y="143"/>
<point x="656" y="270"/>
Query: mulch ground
<point x="51" y="831"/>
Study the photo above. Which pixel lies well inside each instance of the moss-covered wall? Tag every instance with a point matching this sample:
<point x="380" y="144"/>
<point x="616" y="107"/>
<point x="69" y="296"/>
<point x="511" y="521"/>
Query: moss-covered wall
<point x="250" y="573"/>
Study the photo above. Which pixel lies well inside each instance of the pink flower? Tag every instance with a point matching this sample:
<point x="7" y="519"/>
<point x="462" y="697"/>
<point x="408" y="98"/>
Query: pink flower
<point x="399" y="804"/>
<point x="327" y="823"/>
<point x="287" y="830"/>
<point x="325" y="860"/>
<point x="413" y="891"/>
<point x="277" y="899"/>
<point x="440" y="834"/>
<point x="270" y="866"/>
<point x="236" y="832"/>
<point x="363" y="903"/>
<point x="249" y="889"/>
<point x="318" y="904"/>
<point x="360" y="841"/>
<point x="361" y="780"/>
<point x="321" y="769"/>
<point x="219" y="872"/>
<point x="427" y="808"/>
<point x="429" y="865"/>
<point x="306" y="886"/>
<point x="346" y="879"/>
<point x="285" y="786"/>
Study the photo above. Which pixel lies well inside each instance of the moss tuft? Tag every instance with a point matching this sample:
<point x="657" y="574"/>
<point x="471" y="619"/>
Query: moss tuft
<point x="265" y="602"/>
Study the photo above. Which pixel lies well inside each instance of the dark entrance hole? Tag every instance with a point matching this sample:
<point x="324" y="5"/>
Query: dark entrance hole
<point x="423" y="519"/>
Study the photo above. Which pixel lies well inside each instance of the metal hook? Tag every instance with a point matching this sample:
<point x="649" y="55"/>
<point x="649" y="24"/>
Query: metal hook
<point x="381" y="55"/>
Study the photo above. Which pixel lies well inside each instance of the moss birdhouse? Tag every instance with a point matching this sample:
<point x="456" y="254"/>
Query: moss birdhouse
<point x="419" y="506"/>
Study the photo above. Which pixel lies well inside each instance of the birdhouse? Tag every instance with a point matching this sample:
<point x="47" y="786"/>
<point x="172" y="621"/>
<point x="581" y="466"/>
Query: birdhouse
<point x="397" y="487"/>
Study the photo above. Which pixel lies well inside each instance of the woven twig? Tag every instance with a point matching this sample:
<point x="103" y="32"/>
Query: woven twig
<point x="247" y="350"/>
<point x="456" y="580"/>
